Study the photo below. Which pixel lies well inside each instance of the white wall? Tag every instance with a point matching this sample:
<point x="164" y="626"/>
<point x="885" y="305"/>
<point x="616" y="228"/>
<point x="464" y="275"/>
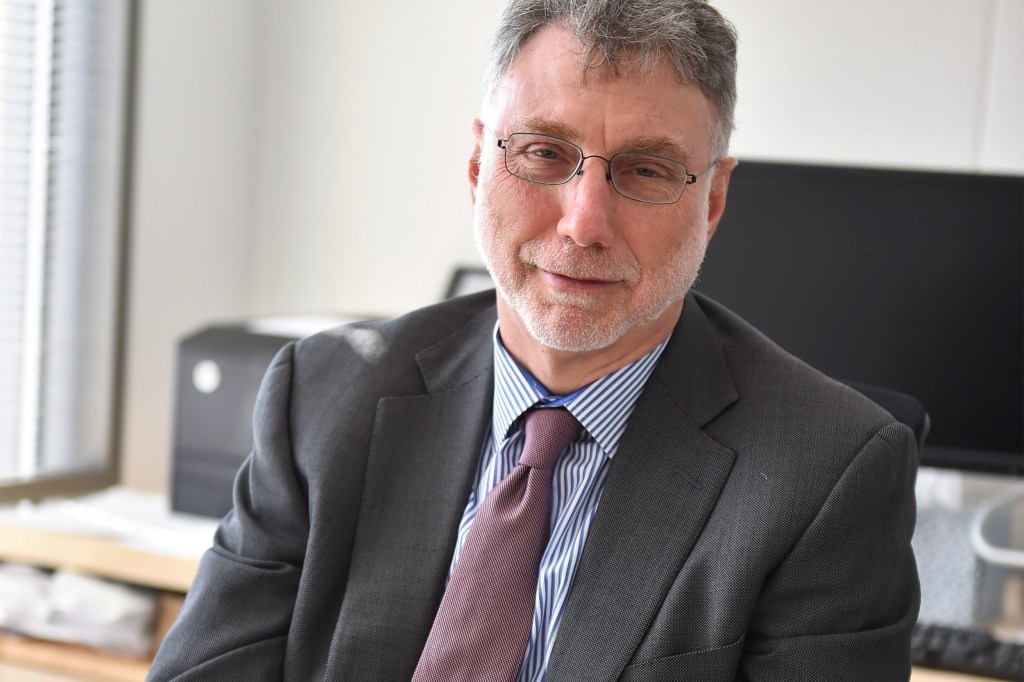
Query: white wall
<point x="363" y="204"/>
<point x="192" y="205"/>
<point x="1003" y="126"/>
<point x="310" y="155"/>
<point x="934" y="84"/>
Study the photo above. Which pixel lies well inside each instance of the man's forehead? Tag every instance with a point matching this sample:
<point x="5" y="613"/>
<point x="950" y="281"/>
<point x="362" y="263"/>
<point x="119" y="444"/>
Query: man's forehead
<point x="548" y="89"/>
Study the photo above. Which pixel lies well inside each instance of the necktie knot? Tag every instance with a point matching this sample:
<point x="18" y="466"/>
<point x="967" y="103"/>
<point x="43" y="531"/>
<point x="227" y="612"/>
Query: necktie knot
<point x="548" y="432"/>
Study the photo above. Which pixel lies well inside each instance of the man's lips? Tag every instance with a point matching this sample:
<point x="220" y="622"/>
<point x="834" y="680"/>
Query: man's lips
<point x="576" y="282"/>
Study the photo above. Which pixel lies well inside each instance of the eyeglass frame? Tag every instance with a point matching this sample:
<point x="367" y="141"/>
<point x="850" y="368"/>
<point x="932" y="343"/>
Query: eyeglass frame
<point x="691" y="178"/>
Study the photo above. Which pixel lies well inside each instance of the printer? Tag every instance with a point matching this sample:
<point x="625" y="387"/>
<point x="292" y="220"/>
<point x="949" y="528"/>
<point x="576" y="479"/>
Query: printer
<point x="219" y="372"/>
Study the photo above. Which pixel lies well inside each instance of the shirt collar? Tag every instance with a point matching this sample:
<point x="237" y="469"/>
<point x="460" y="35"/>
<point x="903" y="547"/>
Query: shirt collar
<point x="603" y="406"/>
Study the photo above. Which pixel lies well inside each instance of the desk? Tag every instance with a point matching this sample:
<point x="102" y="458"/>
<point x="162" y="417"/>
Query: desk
<point x="11" y="673"/>
<point x="104" y="557"/>
<point x="28" y="660"/>
<point x="926" y="675"/>
<point x="29" y="539"/>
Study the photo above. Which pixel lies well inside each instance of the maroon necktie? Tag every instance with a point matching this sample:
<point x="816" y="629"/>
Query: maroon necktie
<point x="483" y="623"/>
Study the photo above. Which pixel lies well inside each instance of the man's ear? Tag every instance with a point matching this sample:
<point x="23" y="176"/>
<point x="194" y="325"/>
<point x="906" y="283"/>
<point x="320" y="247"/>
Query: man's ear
<point x="474" y="158"/>
<point x="719" y="191"/>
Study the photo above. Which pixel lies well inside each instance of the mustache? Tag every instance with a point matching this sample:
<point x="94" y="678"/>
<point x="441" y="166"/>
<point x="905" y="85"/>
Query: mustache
<point x="570" y="260"/>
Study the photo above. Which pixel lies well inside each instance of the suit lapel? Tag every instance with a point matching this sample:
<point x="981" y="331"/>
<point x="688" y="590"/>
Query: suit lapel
<point x="664" y="481"/>
<point x="423" y="456"/>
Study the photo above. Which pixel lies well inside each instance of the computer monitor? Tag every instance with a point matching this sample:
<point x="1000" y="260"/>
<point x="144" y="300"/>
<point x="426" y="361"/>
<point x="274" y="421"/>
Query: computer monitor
<point x="904" y="279"/>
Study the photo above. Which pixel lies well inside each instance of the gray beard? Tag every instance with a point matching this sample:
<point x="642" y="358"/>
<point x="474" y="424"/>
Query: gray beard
<point x="584" y="326"/>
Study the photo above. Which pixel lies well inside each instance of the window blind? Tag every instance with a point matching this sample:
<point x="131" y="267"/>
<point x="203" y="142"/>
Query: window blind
<point x="63" y="84"/>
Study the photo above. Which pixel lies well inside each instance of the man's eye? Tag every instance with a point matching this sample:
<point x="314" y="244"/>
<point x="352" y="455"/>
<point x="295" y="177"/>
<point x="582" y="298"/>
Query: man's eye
<point x="646" y="169"/>
<point x="649" y="170"/>
<point x="545" y="153"/>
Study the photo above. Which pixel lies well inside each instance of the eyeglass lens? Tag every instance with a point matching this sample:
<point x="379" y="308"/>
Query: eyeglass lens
<point x="553" y="161"/>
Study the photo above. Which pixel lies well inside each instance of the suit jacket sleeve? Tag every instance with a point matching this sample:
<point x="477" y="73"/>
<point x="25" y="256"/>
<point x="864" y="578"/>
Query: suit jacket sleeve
<point x="843" y="603"/>
<point x="236" y="617"/>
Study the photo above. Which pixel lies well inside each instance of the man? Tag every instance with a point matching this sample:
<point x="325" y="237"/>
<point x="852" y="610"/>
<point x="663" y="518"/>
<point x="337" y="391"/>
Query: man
<point x="718" y="511"/>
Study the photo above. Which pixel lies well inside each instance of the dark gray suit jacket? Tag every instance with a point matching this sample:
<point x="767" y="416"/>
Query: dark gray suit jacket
<point x="755" y="524"/>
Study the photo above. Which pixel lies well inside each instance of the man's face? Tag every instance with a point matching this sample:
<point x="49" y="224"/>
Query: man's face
<point x="579" y="267"/>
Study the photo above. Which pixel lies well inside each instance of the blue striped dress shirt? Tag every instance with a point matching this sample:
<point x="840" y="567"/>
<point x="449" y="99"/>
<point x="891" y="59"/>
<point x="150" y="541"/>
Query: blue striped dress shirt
<point x="603" y="407"/>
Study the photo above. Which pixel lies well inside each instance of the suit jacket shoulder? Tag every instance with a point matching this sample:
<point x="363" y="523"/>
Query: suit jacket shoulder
<point x="380" y="355"/>
<point x="783" y="400"/>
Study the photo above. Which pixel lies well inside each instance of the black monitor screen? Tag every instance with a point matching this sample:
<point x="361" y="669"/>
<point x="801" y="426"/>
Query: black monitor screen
<point x="908" y="280"/>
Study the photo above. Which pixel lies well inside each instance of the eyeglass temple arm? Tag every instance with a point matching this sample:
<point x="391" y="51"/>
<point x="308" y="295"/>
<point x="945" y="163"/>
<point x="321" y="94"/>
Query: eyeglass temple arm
<point x="692" y="177"/>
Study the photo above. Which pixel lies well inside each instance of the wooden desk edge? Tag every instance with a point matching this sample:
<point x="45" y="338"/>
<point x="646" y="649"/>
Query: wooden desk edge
<point x="932" y="675"/>
<point x="102" y="557"/>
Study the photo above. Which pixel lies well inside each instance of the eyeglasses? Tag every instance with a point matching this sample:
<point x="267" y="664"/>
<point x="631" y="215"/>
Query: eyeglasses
<point x="548" y="160"/>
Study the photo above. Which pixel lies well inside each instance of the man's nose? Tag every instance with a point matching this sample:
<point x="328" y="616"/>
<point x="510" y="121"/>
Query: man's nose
<point x="588" y="205"/>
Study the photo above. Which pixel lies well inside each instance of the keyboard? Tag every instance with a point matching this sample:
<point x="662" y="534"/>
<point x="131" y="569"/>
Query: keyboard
<point x="965" y="650"/>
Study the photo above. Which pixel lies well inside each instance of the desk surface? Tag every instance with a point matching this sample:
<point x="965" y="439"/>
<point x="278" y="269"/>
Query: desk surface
<point x="12" y="673"/>
<point x="104" y="557"/>
<point x="928" y="675"/>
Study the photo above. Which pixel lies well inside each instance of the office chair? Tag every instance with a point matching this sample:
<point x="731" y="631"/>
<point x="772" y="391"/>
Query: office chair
<point x="955" y="646"/>
<point x="906" y="409"/>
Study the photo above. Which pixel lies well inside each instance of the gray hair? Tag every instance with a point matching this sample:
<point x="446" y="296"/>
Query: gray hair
<point x="689" y="36"/>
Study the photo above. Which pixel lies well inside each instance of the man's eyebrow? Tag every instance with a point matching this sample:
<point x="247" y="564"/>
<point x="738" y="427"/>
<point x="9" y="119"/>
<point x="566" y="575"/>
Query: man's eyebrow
<point x="659" y="146"/>
<point x="545" y="126"/>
